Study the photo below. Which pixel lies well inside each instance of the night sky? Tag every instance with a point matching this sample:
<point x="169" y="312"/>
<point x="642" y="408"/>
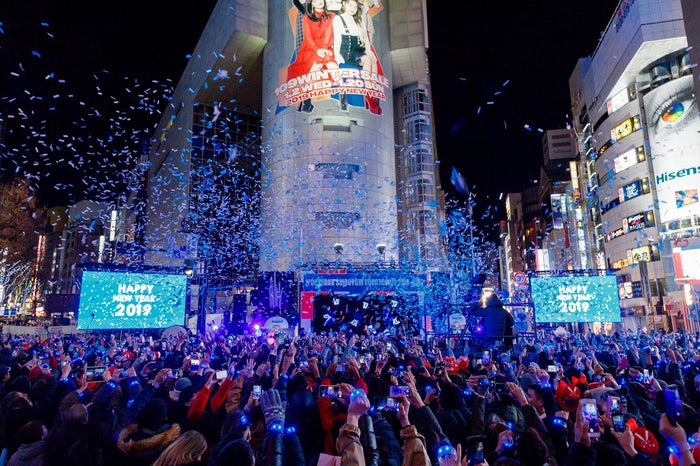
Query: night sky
<point x="77" y="77"/>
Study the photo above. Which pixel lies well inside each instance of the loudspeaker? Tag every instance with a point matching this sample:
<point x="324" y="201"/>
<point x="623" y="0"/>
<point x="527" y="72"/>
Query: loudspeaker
<point x="240" y="308"/>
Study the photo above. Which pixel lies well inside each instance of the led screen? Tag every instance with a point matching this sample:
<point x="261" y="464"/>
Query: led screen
<point x="687" y="264"/>
<point x="120" y="300"/>
<point x="575" y="299"/>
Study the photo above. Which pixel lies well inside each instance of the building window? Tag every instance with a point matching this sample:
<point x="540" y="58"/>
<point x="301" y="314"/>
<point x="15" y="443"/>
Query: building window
<point x="420" y="190"/>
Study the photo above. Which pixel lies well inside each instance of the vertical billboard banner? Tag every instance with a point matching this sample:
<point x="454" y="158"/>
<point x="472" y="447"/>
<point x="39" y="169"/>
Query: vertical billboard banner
<point x="333" y="57"/>
<point x="674" y="137"/>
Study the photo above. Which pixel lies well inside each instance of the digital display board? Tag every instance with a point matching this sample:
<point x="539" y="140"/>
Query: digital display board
<point x="121" y="300"/>
<point x="687" y="264"/>
<point x="575" y="299"/>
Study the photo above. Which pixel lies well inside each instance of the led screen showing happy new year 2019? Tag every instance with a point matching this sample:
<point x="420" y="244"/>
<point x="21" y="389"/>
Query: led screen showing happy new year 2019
<point x="125" y="300"/>
<point x="575" y="299"/>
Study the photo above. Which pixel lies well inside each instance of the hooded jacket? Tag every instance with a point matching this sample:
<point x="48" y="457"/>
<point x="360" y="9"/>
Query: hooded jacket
<point x="143" y="448"/>
<point x="29" y="454"/>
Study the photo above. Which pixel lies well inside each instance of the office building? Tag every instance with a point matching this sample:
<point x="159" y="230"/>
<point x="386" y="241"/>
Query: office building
<point x="636" y="119"/>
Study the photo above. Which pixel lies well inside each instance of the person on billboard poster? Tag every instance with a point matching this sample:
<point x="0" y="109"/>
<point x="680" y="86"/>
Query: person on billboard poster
<point x="316" y="49"/>
<point x="371" y="62"/>
<point x="353" y="49"/>
<point x="672" y="119"/>
<point x="349" y="42"/>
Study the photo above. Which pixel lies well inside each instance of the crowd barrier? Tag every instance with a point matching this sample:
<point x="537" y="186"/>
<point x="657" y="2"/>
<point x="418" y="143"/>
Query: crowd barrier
<point x="27" y="329"/>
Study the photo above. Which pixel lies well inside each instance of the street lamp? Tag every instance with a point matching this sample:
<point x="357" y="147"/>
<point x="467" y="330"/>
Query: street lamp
<point x="381" y="249"/>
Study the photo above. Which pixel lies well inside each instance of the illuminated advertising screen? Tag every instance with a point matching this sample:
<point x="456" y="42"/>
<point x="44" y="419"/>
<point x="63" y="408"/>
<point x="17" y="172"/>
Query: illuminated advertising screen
<point x="674" y="137"/>
<point x="334" y="57"/>
<point x="634" y="189"/>
<point x="614" y="234"/>
<point x="121" y="300"/>
<point x="622" y="130"/>
<point x="638" y="221"/>
<point x="629" y="159"/>
<point x="618" y="100"/>
<point x="686" y="262"/>
<point x="575" y="299"/>
<point x="640" y="254"/>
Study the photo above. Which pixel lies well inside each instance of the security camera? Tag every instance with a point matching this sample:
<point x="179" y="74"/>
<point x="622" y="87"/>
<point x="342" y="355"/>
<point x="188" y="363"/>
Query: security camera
<point x="338" y="247"/>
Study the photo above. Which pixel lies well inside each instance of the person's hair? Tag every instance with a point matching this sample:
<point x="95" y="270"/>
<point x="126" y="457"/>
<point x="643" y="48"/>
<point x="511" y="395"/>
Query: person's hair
<point x="358" y="14"/>
<point x="238" y="452"/>
<point x="153" y="415"/>
<point x="609" y="454"/>
<point x="31" y="432"/>
<point x="184" y="450"/>
<point x="450" y="396"/>
<point x="530" y="449"/>
<point x="506" y="461"/>
<point x="76" y="414"/>
<point x="312" y="14"/>
<point x="235" y="425"/>
<point x="547" y="396"/>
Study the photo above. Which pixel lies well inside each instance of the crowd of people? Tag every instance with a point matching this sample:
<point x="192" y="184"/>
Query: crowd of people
<point x="338" y="398"/>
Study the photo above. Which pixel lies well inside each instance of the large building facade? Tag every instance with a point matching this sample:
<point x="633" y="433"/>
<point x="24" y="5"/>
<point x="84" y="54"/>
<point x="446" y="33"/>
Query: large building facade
<point x="627" y="200"/>
<point x="637" y="122"/>
<point x="300" y="120"/>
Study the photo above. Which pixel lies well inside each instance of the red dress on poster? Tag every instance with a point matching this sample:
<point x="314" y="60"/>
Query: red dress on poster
<point x="318" y="35"/>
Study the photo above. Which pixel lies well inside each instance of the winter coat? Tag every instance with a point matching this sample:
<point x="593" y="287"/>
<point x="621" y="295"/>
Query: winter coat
<point x="143" y="448"/>
<point x="60" y="440"/>
<point x="349" y="446"/>
<point x="29" y="454"/>
<point x="414" y="452"/>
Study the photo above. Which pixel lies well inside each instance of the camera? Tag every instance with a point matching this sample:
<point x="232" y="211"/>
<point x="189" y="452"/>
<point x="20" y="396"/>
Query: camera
<point x="398" y="390"/>
<point x="389" y="404"/>
<point x="330" y="391"/>
<point x="440" y="369"/>
<point x="485" y="382"/>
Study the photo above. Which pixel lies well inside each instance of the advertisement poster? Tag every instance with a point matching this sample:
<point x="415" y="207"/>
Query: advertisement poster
<point x="674" y="136"/>
<point x="334" y="57"/>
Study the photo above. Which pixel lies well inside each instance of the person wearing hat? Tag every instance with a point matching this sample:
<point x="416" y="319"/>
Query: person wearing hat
<point x="147" y="430"/>
<point x="181" y="384"/>
<point x="179" y="400"/>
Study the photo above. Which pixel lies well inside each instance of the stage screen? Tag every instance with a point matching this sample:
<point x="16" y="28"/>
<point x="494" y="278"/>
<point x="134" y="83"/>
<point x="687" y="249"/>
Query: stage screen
<point x="126" y="300"/>
<point x="575" y="299"/>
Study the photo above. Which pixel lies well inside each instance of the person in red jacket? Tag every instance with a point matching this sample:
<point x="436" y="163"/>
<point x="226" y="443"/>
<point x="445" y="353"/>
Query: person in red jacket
<point x="333" y="411"/>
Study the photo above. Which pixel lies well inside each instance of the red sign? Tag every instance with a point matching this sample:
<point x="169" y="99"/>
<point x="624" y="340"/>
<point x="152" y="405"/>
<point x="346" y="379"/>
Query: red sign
<point x="520" y="278"/>
<point x="307" y="305"/>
